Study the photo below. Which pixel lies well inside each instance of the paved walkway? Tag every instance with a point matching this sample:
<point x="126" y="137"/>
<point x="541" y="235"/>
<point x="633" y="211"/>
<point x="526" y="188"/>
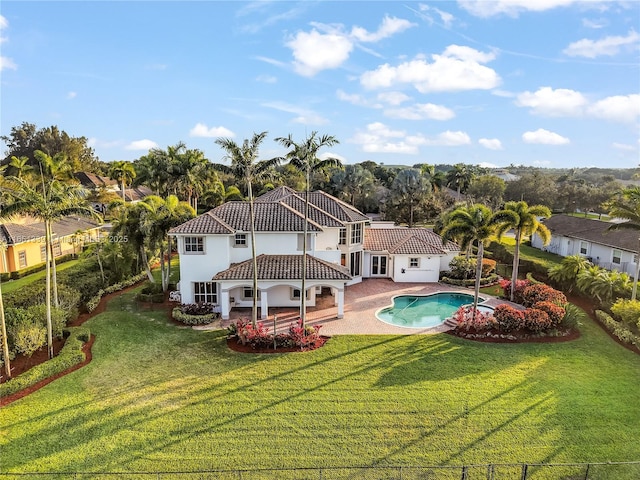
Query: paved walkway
<point x="361" y="302"/>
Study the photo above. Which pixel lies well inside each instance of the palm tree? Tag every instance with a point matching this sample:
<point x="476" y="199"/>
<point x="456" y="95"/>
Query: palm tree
<point x="477" y="223"/>
<point x="122" y="172"/>
<point x="3" y="326"/>
<point x="19" y="166"/>
<point x="245" y="167"/>
<point x="410" y="187"/>
<point x="47" y="202"/>
<point x="304" y="157"/>
<point x="626" y="205"/>
<point x="459" y="177"/>
<point x="527" y="225"/>
<point x="566" y="272"/>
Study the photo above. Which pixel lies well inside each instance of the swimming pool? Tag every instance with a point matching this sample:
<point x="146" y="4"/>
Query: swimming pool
<point x="424" y="311"/>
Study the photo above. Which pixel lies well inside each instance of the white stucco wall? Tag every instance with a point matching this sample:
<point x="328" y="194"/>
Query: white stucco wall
<point x="428" y="271"/>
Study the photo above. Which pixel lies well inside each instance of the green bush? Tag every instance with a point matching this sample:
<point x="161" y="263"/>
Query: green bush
<point x="70" y="355"/>
<point x="628" y="311"/>
<point x="150" y="288"/>
<point x="150" y="297"/>
<point x="618" y="329"/>
<point x="471" y="281"/>
<point x="28" y="338"/>
<point x="573" y="316"/>
<point x="188" y="319"/>
<point x="462" y="268"/>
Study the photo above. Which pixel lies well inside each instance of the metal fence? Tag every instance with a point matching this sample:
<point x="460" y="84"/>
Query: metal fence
<point x="551" y="471"/>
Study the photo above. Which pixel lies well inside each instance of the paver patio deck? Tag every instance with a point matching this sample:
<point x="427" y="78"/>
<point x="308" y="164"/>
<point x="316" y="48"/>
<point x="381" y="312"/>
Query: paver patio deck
<point x="361" y="302"/>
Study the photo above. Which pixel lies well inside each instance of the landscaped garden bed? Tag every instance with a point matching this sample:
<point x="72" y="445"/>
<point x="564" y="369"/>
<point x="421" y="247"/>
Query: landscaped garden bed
<point x="244" y="337"/>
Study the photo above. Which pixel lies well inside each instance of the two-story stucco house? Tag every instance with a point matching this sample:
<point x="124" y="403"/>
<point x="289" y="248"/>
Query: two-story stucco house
<point x="215" y="252"/>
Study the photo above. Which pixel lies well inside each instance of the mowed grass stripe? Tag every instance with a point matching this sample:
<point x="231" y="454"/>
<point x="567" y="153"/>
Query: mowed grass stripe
<point x="160" y="397"/>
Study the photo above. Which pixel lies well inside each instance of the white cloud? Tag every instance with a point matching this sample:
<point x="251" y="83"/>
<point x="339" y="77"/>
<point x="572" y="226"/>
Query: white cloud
<point x="619" y="108"/>
<point x="379" y="138"/>
<point x="393" y="98"/>
<point x="7" y="63"/>
<point x="421" y="111"/>
<point x="304" y="116"/>
<point x="354" y="98"/>
<point x="624" y="147"/>
<point x="458" y="68"/>
<point x="544" y="137"/>
<point x="608" y="46"/>
<point x="266" y="79"/>
<point x="553" y="103"/>
<point x="271" y="61"/>
<point x="489" y="8"/>
<point x="325" y="155"/>
<point x="329" y="46"/>
<point x="445" y="17"/>
<point x="595" y="24"/>
<point x="71" y="95"/>
<point x="491" y="143"/>
<point x="141" y="145"/>
<point x="389" y="27"/>
<point x="449" y="139"/>
<point x="93" y="142"/>
<point x="315" y="51"/>
<point x="487" y="165"/>
<point x="201" y="130"/>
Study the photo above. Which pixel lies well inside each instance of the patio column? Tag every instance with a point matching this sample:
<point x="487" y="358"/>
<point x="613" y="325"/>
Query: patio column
<point x="224" y="304"/>
<point x="341" y="303"/>
<point x="264" y="305"/>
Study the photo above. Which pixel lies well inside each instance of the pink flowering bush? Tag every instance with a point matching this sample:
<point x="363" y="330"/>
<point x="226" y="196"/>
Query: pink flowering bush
<point x="465" y="320"/>
<point x="520" y="286"/>
<point x="259" y="337"/>
<point x="305" y="338"/>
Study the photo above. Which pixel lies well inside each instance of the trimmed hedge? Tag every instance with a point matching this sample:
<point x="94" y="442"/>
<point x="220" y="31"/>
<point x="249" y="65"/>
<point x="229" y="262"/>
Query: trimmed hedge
<point x="93" y="302"/>
<point x="618" y="329"/>
<point x="70" y="355"/>
<point x="187" y="319"/>
<point x="470" y="281"/>
<point x="33" y="269"/>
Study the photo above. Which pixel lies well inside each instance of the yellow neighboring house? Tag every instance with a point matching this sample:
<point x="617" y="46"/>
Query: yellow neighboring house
<point x="26" y="245"/>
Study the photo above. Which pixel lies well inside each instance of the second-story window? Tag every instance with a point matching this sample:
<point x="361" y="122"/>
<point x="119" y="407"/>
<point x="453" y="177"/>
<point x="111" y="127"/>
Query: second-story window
<point x="241" y="240"/>
<point x="193" y="244"/>
<point x="343" y="236"/>
<point x="356" y="233"/>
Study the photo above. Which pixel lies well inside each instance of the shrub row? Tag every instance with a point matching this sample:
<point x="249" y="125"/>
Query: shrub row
<point x="471" y="281"/>
<point x="93" y="302"/>
<point x="189" y="319"/>
<point x="5" y="277"/>
<point x="618" y="329"/>
<point x="70" y="355"/>
<point x="529" y="294"/>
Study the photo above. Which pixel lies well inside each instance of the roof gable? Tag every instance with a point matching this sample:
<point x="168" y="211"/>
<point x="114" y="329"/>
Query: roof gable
<point x="406" y="241"/>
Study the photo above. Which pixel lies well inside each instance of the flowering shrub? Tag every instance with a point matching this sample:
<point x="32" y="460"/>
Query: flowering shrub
<point x="542" y="293"/>
<point x="555" y="312"/>
<point x="520" y="286"/>
<point x="306" y="338"/>
<point x="536" y="320"/>
<point x="256" y="337"/>
<point x="508" y="318"/>
<point x="303" y="338"/>
<point x="465" y="321"/>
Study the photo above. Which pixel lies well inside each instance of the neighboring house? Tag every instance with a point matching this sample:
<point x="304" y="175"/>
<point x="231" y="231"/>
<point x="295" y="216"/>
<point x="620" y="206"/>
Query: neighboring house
<point x="613" y="250"/>
<point x="26" y="244"/>
<point x="505" y="175"/>
<point x="95" y="183"/>
<point x="215" y="252"/>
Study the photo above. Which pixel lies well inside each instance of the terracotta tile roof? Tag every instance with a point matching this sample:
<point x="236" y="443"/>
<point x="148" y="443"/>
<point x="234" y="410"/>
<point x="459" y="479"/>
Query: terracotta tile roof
<point x="234" y="216"/>
<point x="406" y="241"/>
<point x="276" y="194"/>
<point x="591" y="230"/>
<point x="284" y="267"/>
<point x="315" y="214"/>
<point x="207" y="223"/>
<point x="91" y="180"/>
<point x="336" y="207"/>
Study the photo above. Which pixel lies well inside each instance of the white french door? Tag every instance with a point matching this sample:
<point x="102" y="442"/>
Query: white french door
<point x="378" y="265"/>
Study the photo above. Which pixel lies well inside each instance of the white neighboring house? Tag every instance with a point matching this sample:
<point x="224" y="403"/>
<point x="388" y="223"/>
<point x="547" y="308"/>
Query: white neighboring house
<point x="215" y="252"/>
<point x="613" y="250"/>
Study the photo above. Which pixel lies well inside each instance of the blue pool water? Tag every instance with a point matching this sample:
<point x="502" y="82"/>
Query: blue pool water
<point x="423" y="311"/>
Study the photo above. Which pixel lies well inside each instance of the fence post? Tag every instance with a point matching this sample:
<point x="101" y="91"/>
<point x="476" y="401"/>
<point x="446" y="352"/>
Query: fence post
<point x="525" y="467"/>
<point x="586" y="473"/>
<point x="464" y="473"/>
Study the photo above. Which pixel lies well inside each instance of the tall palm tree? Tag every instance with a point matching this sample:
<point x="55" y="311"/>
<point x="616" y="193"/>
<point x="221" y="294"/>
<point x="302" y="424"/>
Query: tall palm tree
<point x="122" y="172"/>
<point x="3" y="325"/>
<point x="410" y="187"/>
<point x="626" y="205"/>
<point x="246" y="167"/>
<point x="527" y="225"/>
<point x="459" y="177"/>
<point x="47" y="202"/>
<point x="19" y="166"/>
<point x="478" y="223"/>
<point x="304" y="157"/>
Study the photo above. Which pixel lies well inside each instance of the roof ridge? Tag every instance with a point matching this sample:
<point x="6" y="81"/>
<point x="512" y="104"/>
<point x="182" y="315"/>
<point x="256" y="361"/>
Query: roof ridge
<point x="299" y="214"/>
<point x="324" y="212"/>
<point x="219" y="220"/>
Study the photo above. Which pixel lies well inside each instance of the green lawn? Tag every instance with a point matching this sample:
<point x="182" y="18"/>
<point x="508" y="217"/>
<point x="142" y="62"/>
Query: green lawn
<point x="159" y="397"/>
<point x="13" y="285"/>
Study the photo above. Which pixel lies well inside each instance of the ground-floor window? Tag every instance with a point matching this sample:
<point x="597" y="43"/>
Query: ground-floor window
<point x="295" y="294"/>
<point x="57" y="250"/>
<point x="247" y="293"/>
<point x="617" y="257"/>
<point x="205" y="292"/>
<point x="22" y="258"/>
<point x="356" y="264"/>
<point x="43" y="253"/>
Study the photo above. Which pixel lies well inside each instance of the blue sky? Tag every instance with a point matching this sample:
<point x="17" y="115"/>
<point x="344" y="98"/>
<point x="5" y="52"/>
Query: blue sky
<point x="550" y="83"/>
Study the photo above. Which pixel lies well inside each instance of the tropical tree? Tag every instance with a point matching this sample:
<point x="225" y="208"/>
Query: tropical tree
<point x="409" y="189"/>
<point x="190" y="173"/>
<point x="48" y="202"/>
<point x="304" y="157"/>
<point x="122" y="172"/>
<point x="626" y="205"/>
<point x="246" y="168"/>
<point x="19" y="166"/>
<point x="477" y="223"/>
<point x="526" y="225"/>
<point x="353" y="183"/>
<point x="566" y="272"/>
<point x="459" y="178"/>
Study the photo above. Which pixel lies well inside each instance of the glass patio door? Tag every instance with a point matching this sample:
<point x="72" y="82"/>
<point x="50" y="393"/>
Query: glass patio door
<point x="378" y="265"/>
